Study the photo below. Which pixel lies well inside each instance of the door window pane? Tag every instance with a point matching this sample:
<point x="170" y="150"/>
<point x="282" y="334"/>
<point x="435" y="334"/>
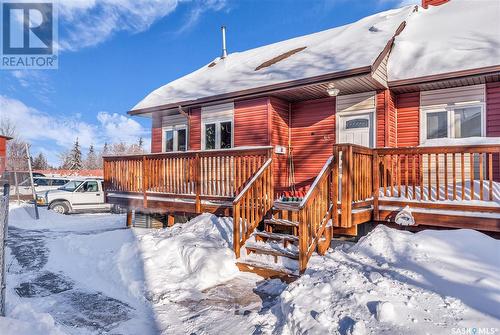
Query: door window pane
<point x="437" y="125"/>
<point x="225" y="135"/>
<point x="467" y="122"/>
<point x="181" y="140"/>
<point x="356" y="123"/>
<point x="210" y="136"/>
<point x="169" y="140"/>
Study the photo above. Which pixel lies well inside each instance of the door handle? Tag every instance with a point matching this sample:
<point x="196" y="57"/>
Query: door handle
<point x="97" y="194"/>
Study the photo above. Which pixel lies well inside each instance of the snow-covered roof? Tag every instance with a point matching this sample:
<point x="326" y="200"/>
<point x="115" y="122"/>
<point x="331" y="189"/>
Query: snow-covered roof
<point x="458" y="35"/>
<point x="343" y="48"/>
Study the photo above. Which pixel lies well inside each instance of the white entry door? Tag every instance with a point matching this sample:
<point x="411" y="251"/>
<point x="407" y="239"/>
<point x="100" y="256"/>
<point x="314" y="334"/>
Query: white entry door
<point x="356" y="129"/>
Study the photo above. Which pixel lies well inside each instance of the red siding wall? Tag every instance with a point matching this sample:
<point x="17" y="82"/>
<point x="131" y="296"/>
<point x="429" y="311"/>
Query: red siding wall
<point x="280" y="130"/>
<point x="386" y="119"/>
<point x="156" y="145"/>
<point x="313" y="135"/>
<point x="408" y="119"/>
<point x="3" y="153"/>
<point x="493" y="118"/>
<point x="195" y="129"/>
<point x="251" y="123"/>
<point x="426" y="3"/>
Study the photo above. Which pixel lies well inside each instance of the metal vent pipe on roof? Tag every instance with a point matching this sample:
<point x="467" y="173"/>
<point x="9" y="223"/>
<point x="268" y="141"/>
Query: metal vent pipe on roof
<point x="224" y="50"/>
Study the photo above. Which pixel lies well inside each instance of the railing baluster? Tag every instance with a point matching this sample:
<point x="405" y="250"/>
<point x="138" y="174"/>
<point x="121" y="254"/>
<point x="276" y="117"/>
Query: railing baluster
<point x="490" y="176"/>
<point x="481" y="176"/>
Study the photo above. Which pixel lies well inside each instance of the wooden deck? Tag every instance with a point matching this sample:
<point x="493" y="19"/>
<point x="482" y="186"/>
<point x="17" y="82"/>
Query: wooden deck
<point x="444" y="186"/>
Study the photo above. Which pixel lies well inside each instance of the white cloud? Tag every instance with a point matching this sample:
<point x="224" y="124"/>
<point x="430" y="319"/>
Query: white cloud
<point x="90" y="22"/>
<point x="54" y="133"/>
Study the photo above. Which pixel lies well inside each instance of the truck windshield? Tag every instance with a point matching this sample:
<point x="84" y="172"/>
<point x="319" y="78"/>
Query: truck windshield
<point x="71" y="185"/>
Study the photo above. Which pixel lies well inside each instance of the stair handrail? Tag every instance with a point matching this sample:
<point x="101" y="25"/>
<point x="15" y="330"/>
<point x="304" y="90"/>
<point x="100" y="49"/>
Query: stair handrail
<point x="313" y="187"/>
<point x="256" y="198"/>
<point x="315" y="210"/>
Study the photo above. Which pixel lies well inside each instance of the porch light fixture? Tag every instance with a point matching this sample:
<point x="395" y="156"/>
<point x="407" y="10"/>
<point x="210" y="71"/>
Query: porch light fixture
<point x="332" y="90"/>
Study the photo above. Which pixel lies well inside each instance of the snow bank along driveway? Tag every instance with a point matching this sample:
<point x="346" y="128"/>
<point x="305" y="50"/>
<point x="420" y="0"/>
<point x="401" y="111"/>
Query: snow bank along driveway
<point x="86" y="274"/>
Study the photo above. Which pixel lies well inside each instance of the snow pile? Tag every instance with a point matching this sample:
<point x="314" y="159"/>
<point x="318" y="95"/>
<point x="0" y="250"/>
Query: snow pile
<point x="24" y="320"/>
<point x="325" y="52"/>
<point x="458" y="35"/>
<point x="398" y="282"/>
<point x="191" y="257"/>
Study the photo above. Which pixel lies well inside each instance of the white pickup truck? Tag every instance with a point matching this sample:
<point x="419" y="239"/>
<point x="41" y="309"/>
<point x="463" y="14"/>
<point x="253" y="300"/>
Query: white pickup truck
<point x="78" y="195"/>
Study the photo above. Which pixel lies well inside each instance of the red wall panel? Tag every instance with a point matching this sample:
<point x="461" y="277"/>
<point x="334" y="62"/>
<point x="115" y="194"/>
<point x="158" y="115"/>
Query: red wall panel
<point x="195" y="129"/>
<point x="280" y="131"/>
<point x="251" y="123"/>
<point x="3" y="153"/>
<point x="408" y="119"/>
<point x="493" y="119"/>
<point x="313" y="136"/>
<point x="156" y="144"/>
<point x="386" y="119"/>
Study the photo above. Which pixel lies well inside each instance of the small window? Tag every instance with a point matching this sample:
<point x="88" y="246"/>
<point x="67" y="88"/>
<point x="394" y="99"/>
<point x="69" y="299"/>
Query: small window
<point x="225" y="135"/>
<point x="181" y="140"/>
<point x="175" y="139"/>
<point x="89" y="186"/>
<point x="467" y="122"/>
<point x="437" y="125"/>
<point x="41" y="182"/>
<point x="169" y="140"/>
<point x="59" y="182"/>
<point x="210" y="136"/>
<point x="356" y="123"/>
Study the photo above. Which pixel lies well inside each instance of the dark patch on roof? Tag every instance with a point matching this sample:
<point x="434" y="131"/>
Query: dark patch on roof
<point x="212" y="64"/>
<point x="279" y="58"/>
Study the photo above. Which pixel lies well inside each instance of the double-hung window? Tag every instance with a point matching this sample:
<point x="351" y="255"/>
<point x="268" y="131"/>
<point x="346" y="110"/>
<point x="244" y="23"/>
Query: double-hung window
<point x="453" y="122"/>
<point x="175" y="138"/>
<point x="217" y="134"/>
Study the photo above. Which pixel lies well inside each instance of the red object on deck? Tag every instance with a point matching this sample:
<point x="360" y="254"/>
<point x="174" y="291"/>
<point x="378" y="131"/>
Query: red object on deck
<point x="3" y="152"/>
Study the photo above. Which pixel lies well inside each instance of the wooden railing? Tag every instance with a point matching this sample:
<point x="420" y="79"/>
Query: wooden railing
<point x="354" y="168"/>
<point x="433" y="174"/>
<point x="193" y="174"/>
<point x="315" y="211"/>
<point x="251" y="204"/>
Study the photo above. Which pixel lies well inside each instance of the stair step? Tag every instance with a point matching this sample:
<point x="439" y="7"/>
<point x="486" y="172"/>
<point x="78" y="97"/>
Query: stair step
<point x="276" y="236"/>
<point x="287" y="206"/>
<point x="281" y="222"/>
<point x="267" y="270"/>
<point x="267" y="249"/>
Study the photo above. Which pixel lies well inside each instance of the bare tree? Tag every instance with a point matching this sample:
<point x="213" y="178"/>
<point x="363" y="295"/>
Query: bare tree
<point x="16" y="147"/>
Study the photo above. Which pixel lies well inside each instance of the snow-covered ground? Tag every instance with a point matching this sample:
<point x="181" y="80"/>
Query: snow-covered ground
<point x="87" y="274"/>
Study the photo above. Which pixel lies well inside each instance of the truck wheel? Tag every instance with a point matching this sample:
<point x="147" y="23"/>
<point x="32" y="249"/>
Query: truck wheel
<point x="60" y="207"/>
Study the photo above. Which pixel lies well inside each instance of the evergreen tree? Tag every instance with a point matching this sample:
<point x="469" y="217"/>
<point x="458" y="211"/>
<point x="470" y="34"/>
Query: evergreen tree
<point x="141" y="144"/>
<point x="91" y="162"/>
<point x="75" y="161"/>
<point x="40" y="162"/>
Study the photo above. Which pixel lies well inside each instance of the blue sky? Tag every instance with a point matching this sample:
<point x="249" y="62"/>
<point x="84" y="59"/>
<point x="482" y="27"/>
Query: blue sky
<point x="114" y="52"/>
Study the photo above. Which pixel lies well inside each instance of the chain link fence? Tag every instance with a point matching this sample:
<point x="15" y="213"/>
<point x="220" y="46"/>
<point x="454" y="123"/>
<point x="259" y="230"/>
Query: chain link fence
<point x="4" y="218"/>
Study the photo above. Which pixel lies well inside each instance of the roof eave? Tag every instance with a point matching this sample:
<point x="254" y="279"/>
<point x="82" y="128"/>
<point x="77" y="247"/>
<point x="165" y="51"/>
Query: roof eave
<point x="444" y="76"/>
<point x="254" y="92"/>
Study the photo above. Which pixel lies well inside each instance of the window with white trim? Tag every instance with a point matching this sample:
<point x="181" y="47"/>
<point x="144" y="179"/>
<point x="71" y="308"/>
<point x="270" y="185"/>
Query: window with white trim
<point x="453" y="122"/>
<point x="175" y="138"/>
<point x="217" y="134"/>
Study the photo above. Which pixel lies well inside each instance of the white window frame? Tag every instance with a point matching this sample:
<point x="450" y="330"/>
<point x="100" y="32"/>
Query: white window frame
<point x="450" y="117"/>
<point x="217" y="122"/>
<point x="176" y="137"/>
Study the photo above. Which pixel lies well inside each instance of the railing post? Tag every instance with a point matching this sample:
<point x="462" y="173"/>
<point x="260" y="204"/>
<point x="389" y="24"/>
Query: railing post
<point x="236" y="230"/>
<point x="144" y="182"/>
<point x="129" y="218"/>
<point x="335" y="186"/>
<point x="376" y="185"/>
<point x="346" y="220"/>
<point x="302" y="241"/>
<point x="197" y="178"/>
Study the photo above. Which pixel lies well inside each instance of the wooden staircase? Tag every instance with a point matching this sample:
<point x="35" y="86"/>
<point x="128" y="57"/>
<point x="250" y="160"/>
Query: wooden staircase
<point x="272" y="250"/>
